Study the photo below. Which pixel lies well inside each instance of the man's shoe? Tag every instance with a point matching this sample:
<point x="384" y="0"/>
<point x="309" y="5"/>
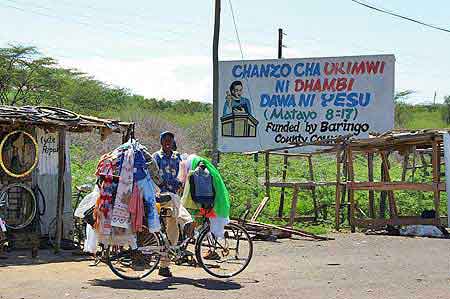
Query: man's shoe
<point x="165" y="272"/>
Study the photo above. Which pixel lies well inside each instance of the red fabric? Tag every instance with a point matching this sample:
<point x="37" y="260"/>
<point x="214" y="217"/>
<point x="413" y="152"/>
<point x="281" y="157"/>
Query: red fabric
<point x="136" y="209"/>
<point x="208" y="213"/>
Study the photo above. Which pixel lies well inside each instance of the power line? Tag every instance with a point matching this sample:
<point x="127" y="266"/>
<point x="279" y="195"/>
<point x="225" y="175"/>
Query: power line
<point x="400" y="16"/>
<point x="235" y="29"/>
<point x="95" y="27"/>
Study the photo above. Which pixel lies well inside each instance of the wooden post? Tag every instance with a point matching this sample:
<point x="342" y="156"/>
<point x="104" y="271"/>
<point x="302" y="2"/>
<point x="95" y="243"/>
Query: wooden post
<point x="387" y="178"/>
<point x="60" y="196"/>
<point x="285" y="165"/>
<point x="314" y="197"/>
<point x="345" y="192"/>
<point x="351" y="178"/>
<point x="338" y="190"/>
<point x="267" y="174"/>
<point x="294" y="206"/>
<point x="405" y="166"/>
<point x="413" y="163"/>
<point x="371" y="193"/>
<point x="256" y="190"/>
<point x="215" y="54"/>
<point x="424" y="164"/>
<point x="383" y="195"/>
<point x="436" y="161"/>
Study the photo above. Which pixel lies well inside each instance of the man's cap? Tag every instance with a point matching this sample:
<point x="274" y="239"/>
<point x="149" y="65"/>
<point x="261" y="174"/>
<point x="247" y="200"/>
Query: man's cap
<point x="164" y="134"/>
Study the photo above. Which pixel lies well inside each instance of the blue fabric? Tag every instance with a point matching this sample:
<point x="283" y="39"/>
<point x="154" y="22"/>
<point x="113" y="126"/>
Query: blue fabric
<point x="139" y="165"/>
<point x="148" y="192"/>
<point x="242" y="102"/>
<point x="169" y="166"/>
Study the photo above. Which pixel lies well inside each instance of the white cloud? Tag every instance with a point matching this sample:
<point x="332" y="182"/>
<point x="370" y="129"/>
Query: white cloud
<point x="177" y="77"/>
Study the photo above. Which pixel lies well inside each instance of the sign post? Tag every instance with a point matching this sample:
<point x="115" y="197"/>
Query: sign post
<point x="215" y="153"/>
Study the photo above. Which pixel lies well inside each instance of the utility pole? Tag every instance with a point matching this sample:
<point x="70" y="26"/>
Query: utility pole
<point x="280" y="43"/>
<point x="285" y="159"/>
<point x="215" y="153"/>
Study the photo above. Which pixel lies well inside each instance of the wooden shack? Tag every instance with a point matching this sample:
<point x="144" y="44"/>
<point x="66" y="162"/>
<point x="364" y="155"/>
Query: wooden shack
<point x="401" y="143"/>
<point x="47" y="128"/>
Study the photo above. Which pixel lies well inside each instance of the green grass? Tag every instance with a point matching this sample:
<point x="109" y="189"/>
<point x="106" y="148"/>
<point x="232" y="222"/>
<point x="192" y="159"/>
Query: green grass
<point x="243" y="176"/>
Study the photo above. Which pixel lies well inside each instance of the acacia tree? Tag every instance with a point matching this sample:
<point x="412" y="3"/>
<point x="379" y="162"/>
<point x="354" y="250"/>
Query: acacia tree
<point x="446" y="110"/>
<point x="26" y="77"/>
<point x="401" y="107"/>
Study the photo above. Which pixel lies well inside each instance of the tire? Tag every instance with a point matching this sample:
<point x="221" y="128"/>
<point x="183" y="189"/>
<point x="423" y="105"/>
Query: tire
<point x="27" y="204"/>
<point x="31" y="167"/>
<point x="122" y="260"/>
<point x="221" y="266"/>
<point x="58" y="113"/>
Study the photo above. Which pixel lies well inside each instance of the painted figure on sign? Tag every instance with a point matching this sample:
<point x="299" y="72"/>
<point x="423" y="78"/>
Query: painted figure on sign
<point x="237" y="119"/>
<point x="235" y="102"/>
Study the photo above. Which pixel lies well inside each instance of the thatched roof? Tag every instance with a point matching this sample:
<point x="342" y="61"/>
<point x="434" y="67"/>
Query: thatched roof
<point x="56" y="118"/>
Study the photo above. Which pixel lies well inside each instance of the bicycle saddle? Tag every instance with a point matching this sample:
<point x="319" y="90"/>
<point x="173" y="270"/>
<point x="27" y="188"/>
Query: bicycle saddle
<point x="164" y="197"/>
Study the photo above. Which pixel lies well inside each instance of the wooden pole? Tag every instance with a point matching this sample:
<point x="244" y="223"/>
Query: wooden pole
<point x="283" y="179"/>
<point x="405" y="166"/>
<point x="294" y="206"/>
<point x="215" y="154"/>
<point x="383" y="195"/>
<point x="351" y="178"/>
<point x="280" y="43"/>
<point x="387" y="178"/>
<point x="267" y="174"/>
<point x="371" y="193"/>
<point x="338" y="190"/>
<point x="414" y="163"/>
<point x="314" y="197"/>
<point x="256" y="190"/>
<point x="436" y="161"/>
<point x="60" y="196"/>
<point x="345" y="192"/>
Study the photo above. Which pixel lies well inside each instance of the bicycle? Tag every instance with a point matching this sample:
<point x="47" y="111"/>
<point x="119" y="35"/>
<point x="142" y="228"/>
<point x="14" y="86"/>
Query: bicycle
<point x="220" y="257"/>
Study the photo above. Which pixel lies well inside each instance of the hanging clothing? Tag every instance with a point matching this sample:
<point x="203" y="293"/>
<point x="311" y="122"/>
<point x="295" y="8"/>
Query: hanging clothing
<point x="120" y="214"/>
<point x="219" y="215"/>
<point x="125" y="184"/>
<point x="149" y="196"/>
<point x="222" y="197"/>
<point x="136" y="209"/>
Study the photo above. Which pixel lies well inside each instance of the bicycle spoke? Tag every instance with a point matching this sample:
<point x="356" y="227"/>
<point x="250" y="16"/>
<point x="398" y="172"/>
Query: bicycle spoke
<point x="227" y="256"/>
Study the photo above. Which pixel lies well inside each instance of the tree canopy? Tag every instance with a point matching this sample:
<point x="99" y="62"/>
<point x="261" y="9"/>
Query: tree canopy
<point x="29" y="78"/>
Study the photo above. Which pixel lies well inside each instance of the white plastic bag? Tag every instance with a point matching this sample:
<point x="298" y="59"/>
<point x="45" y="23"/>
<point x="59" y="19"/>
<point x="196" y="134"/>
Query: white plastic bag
<point x="90" y="243"/>
<point x="87" y="202"/>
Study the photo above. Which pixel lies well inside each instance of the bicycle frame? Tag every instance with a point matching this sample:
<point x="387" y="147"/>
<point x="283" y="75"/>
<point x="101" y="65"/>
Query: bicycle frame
<point x="166" y="247"/>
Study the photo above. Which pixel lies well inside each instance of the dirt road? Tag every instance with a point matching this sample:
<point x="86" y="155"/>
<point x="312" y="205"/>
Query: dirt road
<point x="352" y="266"/>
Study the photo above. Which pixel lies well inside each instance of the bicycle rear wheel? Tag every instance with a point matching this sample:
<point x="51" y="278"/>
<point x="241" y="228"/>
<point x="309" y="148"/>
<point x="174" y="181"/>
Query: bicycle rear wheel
<point x="224" y="257"/>
<point x="134" y="264"/>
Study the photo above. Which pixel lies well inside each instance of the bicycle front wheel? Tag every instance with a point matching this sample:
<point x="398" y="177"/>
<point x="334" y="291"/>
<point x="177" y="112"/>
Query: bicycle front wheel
<point x="225" y="256"/>
<point x="134" y="264"/>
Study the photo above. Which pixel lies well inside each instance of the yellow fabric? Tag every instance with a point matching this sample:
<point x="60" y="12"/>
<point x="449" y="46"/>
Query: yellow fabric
<point x="186" y="199"/>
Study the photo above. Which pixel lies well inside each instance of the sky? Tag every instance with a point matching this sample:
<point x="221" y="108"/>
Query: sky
<point x="163" y="49"/>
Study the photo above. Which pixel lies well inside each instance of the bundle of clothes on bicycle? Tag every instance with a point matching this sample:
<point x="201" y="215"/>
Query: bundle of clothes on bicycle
<point x="130" y="185"/>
